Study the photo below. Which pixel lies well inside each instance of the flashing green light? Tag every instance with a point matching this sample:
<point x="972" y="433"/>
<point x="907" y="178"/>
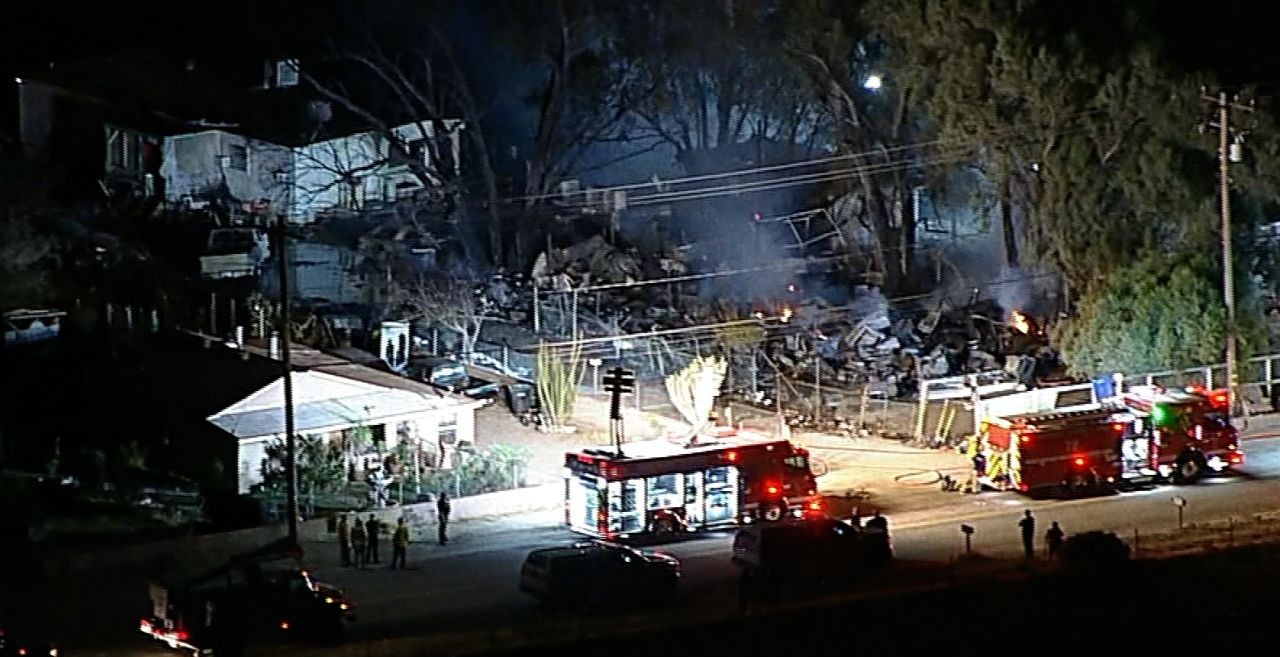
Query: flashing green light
<point x="1160" y="414"/>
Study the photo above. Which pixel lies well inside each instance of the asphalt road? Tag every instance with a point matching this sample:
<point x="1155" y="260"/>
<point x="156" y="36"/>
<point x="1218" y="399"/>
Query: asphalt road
<point x="474" y="586"/>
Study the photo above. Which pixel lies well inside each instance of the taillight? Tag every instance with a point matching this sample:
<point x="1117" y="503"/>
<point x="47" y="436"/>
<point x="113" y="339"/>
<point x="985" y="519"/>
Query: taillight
<point x="181" y="635"/>
<point x="284" y="625"/>
<point x="1078" y="460"/>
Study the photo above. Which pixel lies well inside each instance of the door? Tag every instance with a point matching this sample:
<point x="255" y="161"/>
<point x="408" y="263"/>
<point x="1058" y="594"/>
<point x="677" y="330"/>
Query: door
<point x="627" y="506"/>
<point x="695" y="500"/>
<point x="721" y="490"/>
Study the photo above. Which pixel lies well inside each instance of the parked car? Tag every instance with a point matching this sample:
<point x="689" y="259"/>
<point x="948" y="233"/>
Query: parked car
<point x="443" y="372"/>
<point x="597" y="574"/>
<point x="813" y="550"/>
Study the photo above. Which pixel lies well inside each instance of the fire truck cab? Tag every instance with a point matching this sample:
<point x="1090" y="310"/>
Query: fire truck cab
<point x="664" y="486"/>
<point x="1190" y="430"/>
<point x="1075" y="451"/>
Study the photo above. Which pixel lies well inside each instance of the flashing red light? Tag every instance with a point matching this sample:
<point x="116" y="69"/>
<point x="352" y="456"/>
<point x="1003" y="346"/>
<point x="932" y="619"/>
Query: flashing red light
<point x="1079" y="460"/>
<point x="731" y="455"/>
<point x="1117" y="426"/>
<point x="1024" y="487"/>
<point x="284" y="625"/>
<point x="1025" y="440"/>
<point x="181" y="635"/>
<point x="22" y="651"/>
<point x="815" y="505"/>
<point x="1218" y="399"/>
<point x="772" y="489"/>
<point x="1236" y="458"/>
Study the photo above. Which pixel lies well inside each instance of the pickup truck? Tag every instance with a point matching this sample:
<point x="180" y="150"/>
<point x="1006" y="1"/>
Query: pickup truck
<point x="264" y="595"/>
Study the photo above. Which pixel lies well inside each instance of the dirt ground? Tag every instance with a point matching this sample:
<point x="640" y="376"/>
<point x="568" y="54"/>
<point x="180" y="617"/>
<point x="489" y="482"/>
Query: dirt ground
<point x="868" y="472"/>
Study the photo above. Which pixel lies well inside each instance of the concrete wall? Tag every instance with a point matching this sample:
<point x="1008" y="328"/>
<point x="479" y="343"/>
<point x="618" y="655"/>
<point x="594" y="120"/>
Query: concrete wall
<point x="507" y="502"/>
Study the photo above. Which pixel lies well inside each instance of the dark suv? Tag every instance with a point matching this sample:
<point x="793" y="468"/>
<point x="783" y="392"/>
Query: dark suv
<point x="599" y="574"/>
<point x="816" y="549"/>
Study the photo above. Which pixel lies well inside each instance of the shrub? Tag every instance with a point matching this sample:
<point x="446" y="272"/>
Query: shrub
<point x="1094" y="551"/>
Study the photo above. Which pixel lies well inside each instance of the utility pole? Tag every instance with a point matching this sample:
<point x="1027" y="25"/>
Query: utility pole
<point x="286" y="371"/>
<point x="1229" y="150"/>
<point x="618" y="381"/>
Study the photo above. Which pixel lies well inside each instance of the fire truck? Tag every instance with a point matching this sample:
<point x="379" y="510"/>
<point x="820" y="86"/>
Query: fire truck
<point x="1190" y="430"/>
<point x="667" y="486"/>
<point x="1075" y="451"/>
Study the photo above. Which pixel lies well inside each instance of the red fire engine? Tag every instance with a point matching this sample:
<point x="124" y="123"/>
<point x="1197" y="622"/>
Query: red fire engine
<point x="660" y="486"/>
<point x="1190" y="430"/>
<point x="1074" y="451"/>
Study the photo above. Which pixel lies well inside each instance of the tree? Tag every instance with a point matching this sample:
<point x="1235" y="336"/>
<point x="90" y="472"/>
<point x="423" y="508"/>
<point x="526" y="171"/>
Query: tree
<point x="872" y="125"/>
<point x="694" y="389"/>
<point x="447" y="300"/>
<point x="322" y="466"/>
<point x="710" y="77"/>
<point x="1155" y="315"/>
<point x="558" y="375"/>
<point x="580" y="86"/>
<point x="404" y="69"/>
<point x="27" y="254"/>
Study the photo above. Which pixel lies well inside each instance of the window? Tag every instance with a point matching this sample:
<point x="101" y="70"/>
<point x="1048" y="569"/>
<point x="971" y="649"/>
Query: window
<point x="418" y="151"/>
<point x="798" y="462"/>
<point x="351" y="193"/>
<point x="125" y="149"/>
<point x="447" y="429"/>
<point x="238" y="157"/>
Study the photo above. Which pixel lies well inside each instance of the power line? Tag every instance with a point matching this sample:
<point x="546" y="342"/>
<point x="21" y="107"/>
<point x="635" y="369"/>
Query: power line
<point x="881" y="152"/>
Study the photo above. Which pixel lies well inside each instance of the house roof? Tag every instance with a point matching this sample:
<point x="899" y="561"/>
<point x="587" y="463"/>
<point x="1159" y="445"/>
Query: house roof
<point x="323" y="401"/>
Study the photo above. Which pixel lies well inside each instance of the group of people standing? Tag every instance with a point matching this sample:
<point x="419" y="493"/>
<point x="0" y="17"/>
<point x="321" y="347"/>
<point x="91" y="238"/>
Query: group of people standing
<point x="358" y="541"/>
<point x="1053" y="538"/>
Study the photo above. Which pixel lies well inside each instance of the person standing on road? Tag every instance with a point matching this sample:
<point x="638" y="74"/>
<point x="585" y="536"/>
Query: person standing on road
<point x="399" y="545"/>
<point x="1053" y="539"/>
<point x="344" y="540"/>
<point x="1028" y="526"/>
<point x="372" y="528"/>
<point x="878" y="523"/>
<point x="443" y="509"/>
<point x="359" y="547"/>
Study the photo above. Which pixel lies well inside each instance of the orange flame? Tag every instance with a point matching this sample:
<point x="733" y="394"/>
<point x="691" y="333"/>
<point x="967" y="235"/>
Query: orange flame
<point x="1019" y="322"/>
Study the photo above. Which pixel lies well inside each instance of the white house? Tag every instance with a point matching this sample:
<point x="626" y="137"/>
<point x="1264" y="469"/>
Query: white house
<point x="343" y="172"/>
<point x="332" y="406"/>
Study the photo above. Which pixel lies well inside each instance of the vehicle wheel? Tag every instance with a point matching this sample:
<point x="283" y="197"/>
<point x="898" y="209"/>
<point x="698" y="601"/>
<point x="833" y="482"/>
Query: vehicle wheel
<point x="1081" y="484"/>
<point x="1188" y="470"/>
<point x="772" y="513"/>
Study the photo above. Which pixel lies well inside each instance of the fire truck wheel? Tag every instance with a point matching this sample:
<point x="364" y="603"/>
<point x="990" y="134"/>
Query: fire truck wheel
<point x="1081" y="483"/>
<point x="1189" y="470"/>
<point x="772" y="513"/>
